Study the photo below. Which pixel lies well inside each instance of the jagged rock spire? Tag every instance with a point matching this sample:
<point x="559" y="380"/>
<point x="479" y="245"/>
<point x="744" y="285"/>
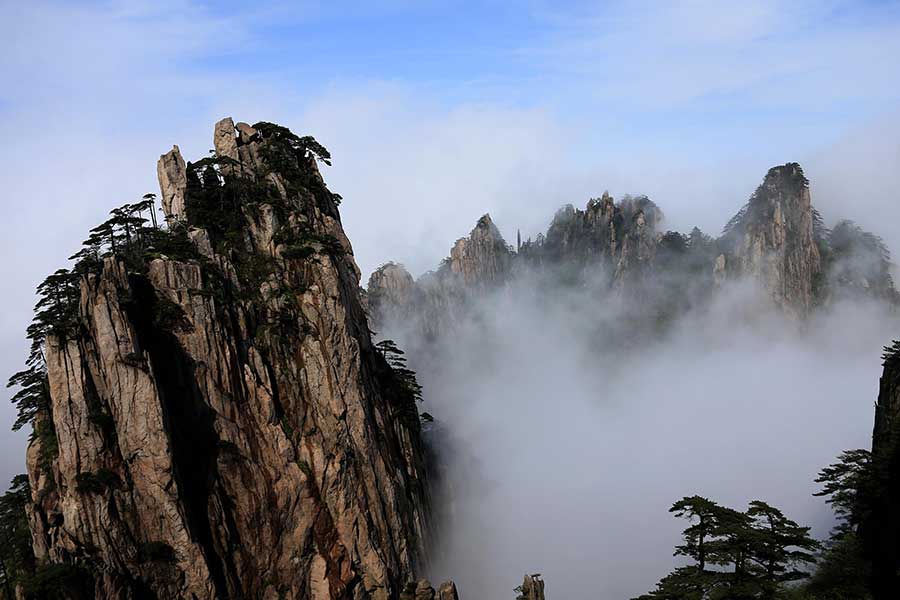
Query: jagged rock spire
<point x="171" y="172"/>
<point x="483" y="258"/>
<point x="772" y="240"/>
<point x="532" y="588"/>
<point x="225" y="140"/>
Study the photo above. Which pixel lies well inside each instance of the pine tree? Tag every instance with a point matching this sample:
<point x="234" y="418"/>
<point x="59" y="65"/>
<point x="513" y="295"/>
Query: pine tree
<point x="779" y="545"/>
<point x="16" y="556"/>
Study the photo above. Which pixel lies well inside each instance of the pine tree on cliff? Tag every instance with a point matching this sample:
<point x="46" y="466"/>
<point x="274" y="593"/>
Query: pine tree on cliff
<point x="54" y="314"/>
<point x="736" y="555"/>
<point x="16" y="556"/>
<point x="880" y="529"/>
<point x="843" y="570"/>
<point x="861" y="556"/>
<point x="780" y="545"/>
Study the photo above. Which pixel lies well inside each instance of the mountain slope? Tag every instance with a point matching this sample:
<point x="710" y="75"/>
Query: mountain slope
<point x="225" y="426"/>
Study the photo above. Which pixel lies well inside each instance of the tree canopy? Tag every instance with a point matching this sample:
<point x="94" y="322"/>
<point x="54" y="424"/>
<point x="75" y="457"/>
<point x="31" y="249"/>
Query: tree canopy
<point x="735" y="555"/>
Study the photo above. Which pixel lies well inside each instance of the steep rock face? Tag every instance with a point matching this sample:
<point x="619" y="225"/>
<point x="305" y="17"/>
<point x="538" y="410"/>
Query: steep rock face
<point x="639" y="239"/>
<point x="772" y="240"/>
<point x="226" y="428"/>
<point x="172" y="183"/>
<point x="477" y="263"/>
<point x="391" y="289"/>
<point x="620" y="235"/>
<point x="881" y="531"/>
<point x="482" y="259"/>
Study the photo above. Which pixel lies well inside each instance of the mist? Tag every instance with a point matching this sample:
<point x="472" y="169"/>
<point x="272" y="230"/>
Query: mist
<point x="564" y="440"/>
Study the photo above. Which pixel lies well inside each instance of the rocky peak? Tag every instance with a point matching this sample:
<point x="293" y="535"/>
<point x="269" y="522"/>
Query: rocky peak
<point x="239" y="145"/>
<point x="483" y="258"/>
<point x="532" y="588"/>
<point x="391" y="289"/>
<point x="172" y="176"/>
<point x="777" y="239"/>
<point x="599" y="233"/>
<point x="225" y="426"/>
<point x="637" y="248"/>
<point x="477" y="263"/>
<point x="772" y="239"/>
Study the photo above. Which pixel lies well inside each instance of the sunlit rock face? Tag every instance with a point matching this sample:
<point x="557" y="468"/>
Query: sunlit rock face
<point x="772" y="240"/>
<point x="172" y="183"/>
<point x="225" y="426"/>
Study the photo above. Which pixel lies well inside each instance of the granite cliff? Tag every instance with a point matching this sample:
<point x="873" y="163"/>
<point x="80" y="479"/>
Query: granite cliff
<point x="773" y="239"/>
<point x="220" y="424"/>
<point x="880" y="527"/>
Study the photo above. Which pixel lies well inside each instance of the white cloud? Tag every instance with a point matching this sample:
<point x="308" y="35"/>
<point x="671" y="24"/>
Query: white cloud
<point x="797" y="56"/>
<point x="415" y="175"/>
<point x="570" y="446"/>
<point x="858" y="177"/>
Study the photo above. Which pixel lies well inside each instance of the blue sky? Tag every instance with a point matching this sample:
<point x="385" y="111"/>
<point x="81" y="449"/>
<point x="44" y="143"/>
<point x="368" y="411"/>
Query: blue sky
<point x="437" y="112"/>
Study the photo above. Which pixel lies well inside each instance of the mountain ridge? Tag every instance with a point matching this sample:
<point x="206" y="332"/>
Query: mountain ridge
<point x="777" y="240"/>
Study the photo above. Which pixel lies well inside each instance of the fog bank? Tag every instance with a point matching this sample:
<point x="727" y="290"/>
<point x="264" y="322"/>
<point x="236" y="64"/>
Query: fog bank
<point x="565" y="449"/>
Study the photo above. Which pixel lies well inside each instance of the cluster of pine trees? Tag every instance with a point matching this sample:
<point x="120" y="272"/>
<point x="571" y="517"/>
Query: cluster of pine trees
<point x="761" y="554"/>
<point x="735" y="555"/>
<point x="127" y="235"/>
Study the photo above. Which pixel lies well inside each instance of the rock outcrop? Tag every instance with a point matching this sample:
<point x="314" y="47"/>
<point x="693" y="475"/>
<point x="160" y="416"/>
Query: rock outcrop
<point x="477" y="264"/>
<point x="532" y="588"/>
<point x="482" y="259"/>
<point x="618" y="236"/>
<point x="390" y="293"/>
<point x="172" y="175"/>
<point x="881" y="529"/>
<point x="422" y="590"/>
<point x="772" y="240"/>
<point x="616" y="240"/>
<point x="639" y="239"/>
<point x="447" y="591"/>
<point x="225" y="426"/>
